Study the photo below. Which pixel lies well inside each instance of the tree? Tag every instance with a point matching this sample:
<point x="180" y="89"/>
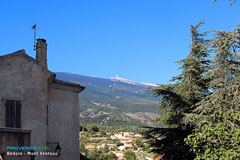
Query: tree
<point x="103" y="133"/>
<point x="106" y="149"/>
<point x="224" y="100"/>
<point x="178" y="99"/>
<point x="224" y="78"/>
<point x="217" y="116"/>
<point x="83" y="157"/>
<point x="82" y="128"/>
<point x="82" y="147"/>
<point x="110" y="156"/>
<point x="217" y="139"/>
<point x="129" y="155"/>
<point x="191" y="83"/>
<point x="92" y="128"/>
<point x="225" y="70"/>
<point x="94" y="155"/>
<point x="139" y="142"/>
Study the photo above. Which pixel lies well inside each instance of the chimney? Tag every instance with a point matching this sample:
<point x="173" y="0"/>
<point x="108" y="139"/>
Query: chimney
<point x="41" y="51"/>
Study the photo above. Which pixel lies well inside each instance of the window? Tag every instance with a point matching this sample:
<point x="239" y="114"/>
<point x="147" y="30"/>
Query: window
<point x="13" y="114"/>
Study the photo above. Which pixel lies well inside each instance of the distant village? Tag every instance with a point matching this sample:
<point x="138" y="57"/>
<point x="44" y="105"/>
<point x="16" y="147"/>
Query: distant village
<point x="119" y="143"/>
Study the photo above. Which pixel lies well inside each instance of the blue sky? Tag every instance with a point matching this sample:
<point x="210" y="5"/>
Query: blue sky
<point x="137" y="39"/>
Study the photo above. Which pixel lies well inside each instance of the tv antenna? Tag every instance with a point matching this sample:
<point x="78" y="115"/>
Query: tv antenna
<point x="34" y="27"/>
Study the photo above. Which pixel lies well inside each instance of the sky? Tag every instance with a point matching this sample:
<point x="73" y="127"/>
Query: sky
<point x="139" y="40"/>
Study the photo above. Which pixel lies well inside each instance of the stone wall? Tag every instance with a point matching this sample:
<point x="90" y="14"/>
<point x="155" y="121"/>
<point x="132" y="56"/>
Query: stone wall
<point x="14" y="137"/>
<point x="24" y="80"/>
<point x="49" y="107"/>
<point x="63" y="122"/>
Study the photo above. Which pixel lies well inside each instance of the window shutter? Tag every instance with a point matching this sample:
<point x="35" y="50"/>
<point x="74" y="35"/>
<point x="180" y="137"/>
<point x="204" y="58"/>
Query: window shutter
<point x="13" y="114"/>
<point x="7" y="114"/>
<point x="18" y="114"/>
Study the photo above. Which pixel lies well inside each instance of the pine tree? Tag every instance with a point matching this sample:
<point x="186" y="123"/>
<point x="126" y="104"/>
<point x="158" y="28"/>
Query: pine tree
<point x="226" y="64"/>
<point x="191" y="84"/>
<point x="224" y="77"/>
<point x="178" y="99"/>
<point x="217" y="116"/>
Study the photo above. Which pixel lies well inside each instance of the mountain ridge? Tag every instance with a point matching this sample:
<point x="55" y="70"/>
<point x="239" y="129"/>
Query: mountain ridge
<point x="113" y="101"/>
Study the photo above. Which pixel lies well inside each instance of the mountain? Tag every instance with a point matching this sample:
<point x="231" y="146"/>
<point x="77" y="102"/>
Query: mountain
<point x="118" y="79"/>
<point x="114" y="101"/>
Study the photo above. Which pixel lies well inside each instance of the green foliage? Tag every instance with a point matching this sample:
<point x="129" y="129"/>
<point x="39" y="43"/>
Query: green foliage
<point x="106" y="149"/>
<point x="94" y="155"/>
<point x="203" y="105"/>
<point x="191" y="85"/>
<point x="179" y="98"/>
<point x="103" y="133"/>
<point x="130" y="155"/>
<point x="82" y="147"/>
<point x="217" y="139"/>
<point x="110" y="156"/>
<point x="83" y="157"/>
<point x="224" y="99"/>
<point x="226" y="66"/>
<point x="118" y="143"/>
<point x="92" y="128"/>
<point x="217" y="116"/>
<point x="138" y="142"/>
<point x="147" y="147"/>
<point x="82" y="128"/>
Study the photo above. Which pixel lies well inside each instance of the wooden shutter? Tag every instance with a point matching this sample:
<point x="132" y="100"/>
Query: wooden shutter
<point x="7" y="114"/>
<point x="18" y="114"/>
<point x="13" y="114"/>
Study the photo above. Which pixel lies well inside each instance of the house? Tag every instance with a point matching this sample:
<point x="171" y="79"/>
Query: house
<point x="117" y="136"/>
<point x="138" y="135"/>
<point x="121" y="135"/>
<point x="102" y="146"/>
<point x="126" y="141"/>
<point x="111" y="146"/>
<point x="36" y="109"/>
<point x="121" y="158"/>
<point x="159" y="158"/>
<point x="121" y="148"/>
<point x="90" y="147"/>
<point x="128" y="146"/>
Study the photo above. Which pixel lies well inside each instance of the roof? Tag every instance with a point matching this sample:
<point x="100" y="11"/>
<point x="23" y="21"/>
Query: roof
<point x="90" y="147"/>
<point x="59" y="84"/>
<point x="19" y="53"/>
<point x="158" y="158"/>
<point x="53" y="82"/>
<point x="22" y="53"/>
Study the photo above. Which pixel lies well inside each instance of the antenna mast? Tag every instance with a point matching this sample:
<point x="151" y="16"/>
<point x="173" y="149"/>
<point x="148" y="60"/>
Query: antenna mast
<point x="34" y="27"/>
